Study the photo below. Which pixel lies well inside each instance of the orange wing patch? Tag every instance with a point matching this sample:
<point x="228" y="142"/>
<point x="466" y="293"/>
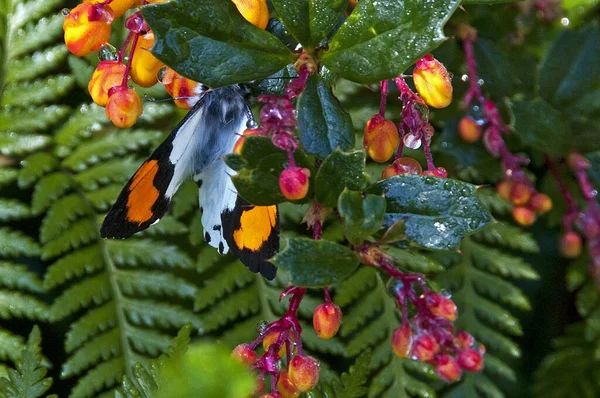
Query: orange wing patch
<point x="256" y="225"/>
<point x="142" y="193"/>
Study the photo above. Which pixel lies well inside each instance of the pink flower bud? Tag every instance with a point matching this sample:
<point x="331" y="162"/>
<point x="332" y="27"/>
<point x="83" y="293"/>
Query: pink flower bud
<point x="293" y="182"/>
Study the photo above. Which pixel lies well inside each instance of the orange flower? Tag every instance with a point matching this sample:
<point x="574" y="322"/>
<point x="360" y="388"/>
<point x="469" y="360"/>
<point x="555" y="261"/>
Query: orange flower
<point x="107" y="75"/>
<point x="144" y="65"/>
<point x="87" y="28"/>
<point x="433" y="82"/>
<point x="124" y="106"/>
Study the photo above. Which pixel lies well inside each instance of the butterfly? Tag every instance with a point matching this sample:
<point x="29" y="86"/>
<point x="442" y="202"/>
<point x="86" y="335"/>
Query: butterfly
<point x="195" y="148"/>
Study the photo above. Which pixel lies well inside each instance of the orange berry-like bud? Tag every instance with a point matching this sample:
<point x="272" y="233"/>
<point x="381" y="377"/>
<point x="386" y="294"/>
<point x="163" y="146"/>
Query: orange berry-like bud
<point x="464" y="340"/>
<point x="403" y="165"/>
<point x="540" y="203"/>
<point x="439" y="172"/>
<point x="144" y="65"/>
<point x="304" y="372"/>
<point x="380" y="138"/>
<point x="570" y="245"/>
<point x="285" y="387"/>
<point x="119" y="7"/>
<point x="471" y="360"/>
<point x="270" y="339"/>
<point x="469" y="130"/>
<point x="124" y="106"/>
<point x="327" y="320"/>
<point x="182" y="88"/>
<point x="447" y="368"/>
<point x="87" y="28"/>
<point x="108" y="74"/>
<point x="520" y="193"/>
<point x="442" y="306"/>
<point x="504" y="188"/>
<point x="402" y="341"/>
<point x="237" y="148"/>
<point x="523" y="215"/>
<point x="433" y="82"/>
<point x="244" y="354"/>
<point x="254" y="11"/>
<point x="293" y="182"/>
<point x="425" y="347"/>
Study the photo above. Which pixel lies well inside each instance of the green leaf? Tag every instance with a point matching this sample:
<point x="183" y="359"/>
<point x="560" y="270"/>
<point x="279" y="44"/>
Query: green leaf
<point x="12" y="143"/>
<point x="211" y="42"/>
<point x="380" y="40"/>
<point x="310" y="21"/>
<point x="362" y="216"/>
<point x="28" y="380"/>
<point x="316" y="263"/>
<point x="322" y="123"/>
<point x="438" y="213"/>
<point x="540" y="126"/>
<point x="571" y="67"/>
<point x="339" y="171"/>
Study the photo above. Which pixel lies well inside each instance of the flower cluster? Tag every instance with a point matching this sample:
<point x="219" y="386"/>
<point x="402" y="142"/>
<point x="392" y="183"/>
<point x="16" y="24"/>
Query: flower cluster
<point x="87" y="29"/>
<point x="483" y="114"/>
<point x="382" y="138"/>
<point x="429" y="335"/>
<point x="291" y="372"/>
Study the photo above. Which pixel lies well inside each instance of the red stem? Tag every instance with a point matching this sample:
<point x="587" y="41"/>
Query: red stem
<point x="382" y="102"/>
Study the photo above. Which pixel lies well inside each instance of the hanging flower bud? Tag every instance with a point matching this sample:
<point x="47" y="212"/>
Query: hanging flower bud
<point x="254" y="11"/>
<point x="540" y="203"/>
<point x="380" y="138"/>
<point x="285" y="387"/>
<point x="433" y="82"/>
<point x="271" y="339"/>
<point x="244" y="354"/>
<point x="293" y="182"/>
<point x="520" y="193"/>
<point x="504" y="188"/>
<point x="570" y="245"/>
<point x="124" y="106"/>
<point x="108" y="74"/>
<point x="144" y="65"/>
<point x="184" y="90"/>
<point x="447" y="368"/>
<point x="403" y="165"/>
<point x="327" y="320"/>
<point x="471" y="360"/>
<point x="87" y="28"/>
<point x="440" y="305"/>
<point x="468" y="129"/>
<point x="402" y="341"/>
<point x="439" y="172"/>
<point x="119" y="7"/>
<point x="304" y="372"/>
<point x="425" y="347"/>
<point x="464" y="340"/>
<point x="523" y="215"/>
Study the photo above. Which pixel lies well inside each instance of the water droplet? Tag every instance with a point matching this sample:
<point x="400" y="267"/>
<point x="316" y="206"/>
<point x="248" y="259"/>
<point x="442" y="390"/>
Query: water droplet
<point x="65" y="11"/>
<point x="261" y="326"/>
<point x="565" y="21"/>
<point x="480" y="82"/>
<point x="446" y="293"/>
<point x="107" y="53"/>
<point x="464" y="78"/>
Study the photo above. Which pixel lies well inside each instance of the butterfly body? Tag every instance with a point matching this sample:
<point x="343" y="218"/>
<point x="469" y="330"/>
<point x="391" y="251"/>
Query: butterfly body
<point x="195" y="149"/>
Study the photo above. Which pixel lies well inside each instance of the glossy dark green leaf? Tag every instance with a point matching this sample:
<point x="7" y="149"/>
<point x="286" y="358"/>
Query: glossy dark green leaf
<point x="310" y="21"/>
<point x="323" y="124"/>
<point x="339" y="170"/>
<point x="210" y="42"/>
<point x="316" y="263"/>
<point x="381" y="39"/>
<point x="540" y="126"/>
<point x="494" y="68"/>
<point x="438" y="213"/>
<point x="258" y="167"/>
<point x="571" y="67"/>
<point x="362" y="216"/>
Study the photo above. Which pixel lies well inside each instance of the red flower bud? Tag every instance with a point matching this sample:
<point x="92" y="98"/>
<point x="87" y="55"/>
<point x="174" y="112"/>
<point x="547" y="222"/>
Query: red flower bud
<point x="124" y="106"/>
<point x="464" y="340"/>
<point x="144" y="65"/>
<point x="504" y="188"/>
<point x="403" y="165"/>
<point x="570" y="245"/>
<point x="447" y="368"/>
<point x="293" y="182"/>
<point x="380" y="138"/>
<point x="108" y="74"/>
<point x="425" y="347"/>
<point x="520" y="193"/>
<point x="327" y="320"/>
<point x="304" y="372"/>
<point x="439" y="172"/>
<point x="442" y="306"/>
<point x="471" y="360"/>
<point x="402" y="340"/>
<point x="184" y="90"/>
<point x="523" y="215"/>
<point x="244" y="354"/>
<point x="87" y="28"/>
<point x="469" y="130"/>
<point x="433" y="82"/>
<point x="540" y="203"/>
<point x="285" y="387"/>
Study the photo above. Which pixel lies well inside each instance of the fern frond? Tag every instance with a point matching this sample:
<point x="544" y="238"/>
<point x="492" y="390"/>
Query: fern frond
<point x="28" y="379"/>
<point x="11" y="209"/>
<point x="37" y="64"/>
<point x="37" y="92"/>
<point x="32" y="119"/>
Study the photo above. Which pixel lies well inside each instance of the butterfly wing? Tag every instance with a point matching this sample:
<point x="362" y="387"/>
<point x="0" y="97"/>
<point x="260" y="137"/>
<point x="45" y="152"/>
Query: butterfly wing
<point x="252" y="233"/>
<point x="147" y="195"/>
